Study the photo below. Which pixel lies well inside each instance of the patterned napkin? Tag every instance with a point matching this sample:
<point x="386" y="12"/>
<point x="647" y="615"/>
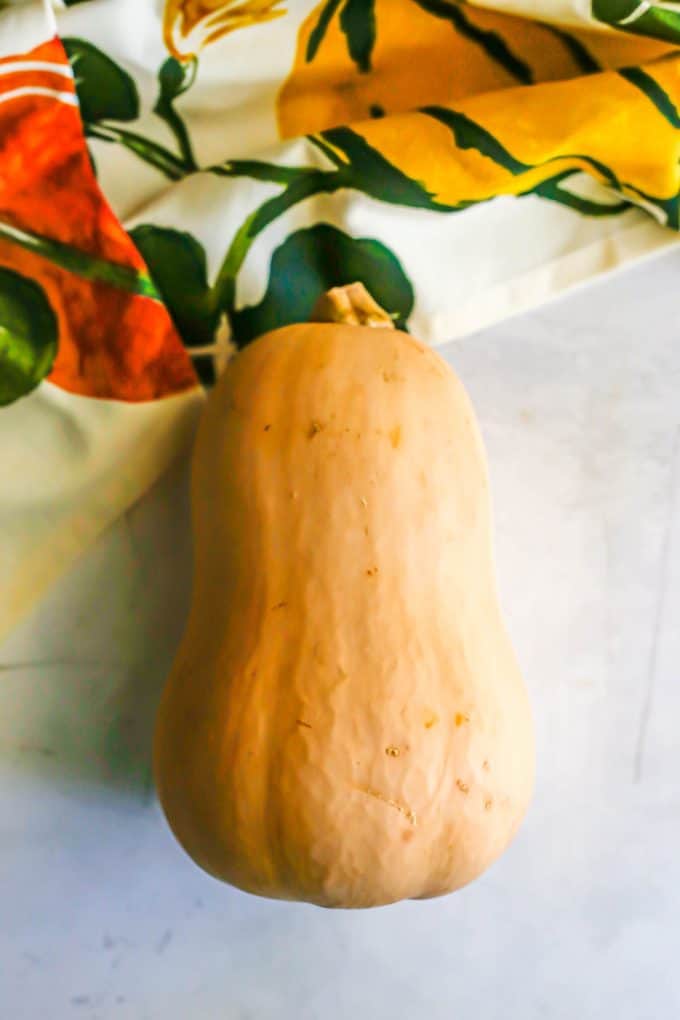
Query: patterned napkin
<point x="177" y="177"/>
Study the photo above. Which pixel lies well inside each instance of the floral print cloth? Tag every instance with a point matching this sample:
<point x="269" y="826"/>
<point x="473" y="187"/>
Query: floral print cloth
<point x="177" y="177"/>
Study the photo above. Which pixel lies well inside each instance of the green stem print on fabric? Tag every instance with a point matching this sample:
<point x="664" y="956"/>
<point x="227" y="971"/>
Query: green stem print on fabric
<point x="108" y="97"/>
<point x="28" y="335"/>
<point x="151" y="152"/>
<point x="174" y="79"/>
<point x="306" y="185"/>
<point x="657" y="18"/>
<point x="177" y="261"/>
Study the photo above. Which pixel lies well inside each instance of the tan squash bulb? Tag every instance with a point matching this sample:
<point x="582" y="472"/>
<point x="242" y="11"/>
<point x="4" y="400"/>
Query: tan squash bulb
<point x="345" y="722"/>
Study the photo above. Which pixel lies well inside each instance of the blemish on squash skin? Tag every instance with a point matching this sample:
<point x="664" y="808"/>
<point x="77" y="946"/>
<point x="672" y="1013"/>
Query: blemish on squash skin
<point x="392" y="751"/>
<point x="462" y="717"/>
<point x="488" y="804"/>
<point x="463" y="787"/>
<point x="314" y="428"/>
<point x="431" y="719"/>
<point x="372" y="571"/>
<point x="363" y="501"/>
<point x="301" y="722"/>
<point x="318" y="654"/>
<point x="266" y="428"/>
<point x="395" y="436"/>
<point x="407" y="835"/>
<point x="485" y="765"/>
<point x="403" y="809"/>
<point x="279" y="605"/>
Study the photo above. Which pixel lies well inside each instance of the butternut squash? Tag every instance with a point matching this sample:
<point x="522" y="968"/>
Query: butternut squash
<point x="345" y="722"/>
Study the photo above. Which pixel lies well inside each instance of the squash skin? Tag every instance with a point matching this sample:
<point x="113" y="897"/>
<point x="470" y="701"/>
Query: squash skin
<point x="345" y="722"/>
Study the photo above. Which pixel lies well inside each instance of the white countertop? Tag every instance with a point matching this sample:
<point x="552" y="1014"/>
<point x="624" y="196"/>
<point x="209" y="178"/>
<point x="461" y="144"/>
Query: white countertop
<point x="102" y="916"/>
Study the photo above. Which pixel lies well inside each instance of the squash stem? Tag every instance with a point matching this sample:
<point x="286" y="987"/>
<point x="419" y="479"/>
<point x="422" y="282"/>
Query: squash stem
<point x="351" y="305"/>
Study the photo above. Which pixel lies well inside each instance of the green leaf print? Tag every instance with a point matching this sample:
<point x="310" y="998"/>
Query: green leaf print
<point x="658" y="19"/>
<point x="357" y="165"/>
<point x="105" y="90"/>
<point x="318" y="32"/>
<point x="309" y="262"/>
<point x="177" y="264"/>
<point x="174" y="78"/>
<point x="28" y="335"/>
<point x="357" y="21"/>
<point x="108" y="96"/>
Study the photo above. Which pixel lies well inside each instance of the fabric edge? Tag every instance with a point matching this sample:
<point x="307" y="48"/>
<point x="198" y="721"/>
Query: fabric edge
<point x="559" y="277"/>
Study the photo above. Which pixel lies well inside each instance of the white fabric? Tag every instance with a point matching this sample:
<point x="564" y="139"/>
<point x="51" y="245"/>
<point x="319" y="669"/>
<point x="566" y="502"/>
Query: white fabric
<point x="70" y="466"/>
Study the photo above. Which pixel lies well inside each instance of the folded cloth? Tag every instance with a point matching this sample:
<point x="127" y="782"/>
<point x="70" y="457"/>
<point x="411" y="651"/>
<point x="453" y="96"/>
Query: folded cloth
<point x="465" y="161"/>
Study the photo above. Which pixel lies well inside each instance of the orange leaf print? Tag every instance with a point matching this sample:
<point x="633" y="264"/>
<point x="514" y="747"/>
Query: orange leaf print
<point x="201" y="22"/>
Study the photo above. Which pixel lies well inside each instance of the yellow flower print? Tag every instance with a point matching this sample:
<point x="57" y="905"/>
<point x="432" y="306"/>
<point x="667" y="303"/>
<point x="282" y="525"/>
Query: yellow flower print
<point x="189" y="25"/>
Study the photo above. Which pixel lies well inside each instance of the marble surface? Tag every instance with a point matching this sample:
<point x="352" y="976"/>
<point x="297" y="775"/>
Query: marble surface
<point x="102" y="916"/>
